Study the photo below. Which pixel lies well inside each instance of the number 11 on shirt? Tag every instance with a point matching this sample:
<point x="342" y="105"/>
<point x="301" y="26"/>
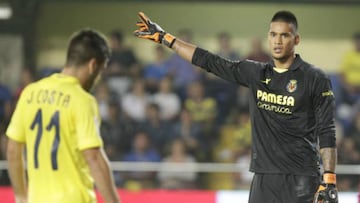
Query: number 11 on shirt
<point x="54" y="123"/>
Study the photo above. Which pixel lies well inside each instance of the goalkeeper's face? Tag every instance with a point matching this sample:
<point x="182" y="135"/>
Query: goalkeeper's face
<point x="282" y="39"/>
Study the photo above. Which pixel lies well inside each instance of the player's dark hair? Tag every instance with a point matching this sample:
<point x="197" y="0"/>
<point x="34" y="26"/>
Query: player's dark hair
<point x="85" y="45"/>
<point x="285" y="16"/>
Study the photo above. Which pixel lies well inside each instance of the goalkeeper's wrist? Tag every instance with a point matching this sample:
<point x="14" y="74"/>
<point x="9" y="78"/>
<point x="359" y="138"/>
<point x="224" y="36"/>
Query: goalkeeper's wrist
<point x="168" y="40"/>
<point x="329" y="177"/>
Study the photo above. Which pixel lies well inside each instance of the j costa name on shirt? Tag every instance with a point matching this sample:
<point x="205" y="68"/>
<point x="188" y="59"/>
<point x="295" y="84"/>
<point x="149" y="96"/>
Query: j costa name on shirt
<point x="51" y="97"/>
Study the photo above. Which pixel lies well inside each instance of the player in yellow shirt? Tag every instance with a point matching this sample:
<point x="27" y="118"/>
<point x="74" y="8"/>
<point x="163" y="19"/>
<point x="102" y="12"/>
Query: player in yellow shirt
<point x="350" y="68"/>
<point x="57" y="120"/>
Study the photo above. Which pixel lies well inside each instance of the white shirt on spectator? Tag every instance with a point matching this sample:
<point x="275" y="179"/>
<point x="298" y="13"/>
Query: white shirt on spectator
<point x="169" y="104"/>
<point x="135" y="106"/>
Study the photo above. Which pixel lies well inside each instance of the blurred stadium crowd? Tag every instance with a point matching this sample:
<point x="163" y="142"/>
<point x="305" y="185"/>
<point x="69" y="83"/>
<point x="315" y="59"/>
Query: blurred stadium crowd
<point x="170" y="111"/>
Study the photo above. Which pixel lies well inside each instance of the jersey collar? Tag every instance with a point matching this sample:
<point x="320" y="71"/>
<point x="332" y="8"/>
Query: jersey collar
<point x="295" y="65"/>
<point x="67" y="78"/>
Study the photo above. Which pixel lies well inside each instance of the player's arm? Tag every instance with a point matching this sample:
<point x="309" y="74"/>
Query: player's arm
<point x="16" y="169"/>
<point x="100" y="171"/>
<point x="235" y="71"/>
<point x="329" y="158"/>
<point x="152" y="31"/>
<point x="324" y="111"/>
<point x="87" y="119"/>
<point x="15" y="149"/>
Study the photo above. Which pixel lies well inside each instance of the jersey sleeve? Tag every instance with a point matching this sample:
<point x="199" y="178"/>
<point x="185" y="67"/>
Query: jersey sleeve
<point x="88" y="124"/>
<point x="324" y="104"/>
<point x="16" y="129"/>
<point x="242" y="72"/>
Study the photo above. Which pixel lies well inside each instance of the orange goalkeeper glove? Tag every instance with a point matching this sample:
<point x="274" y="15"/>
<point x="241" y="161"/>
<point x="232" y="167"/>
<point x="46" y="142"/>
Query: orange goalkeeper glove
<point x="327" y="192"/>
<point x="152" y="31"/>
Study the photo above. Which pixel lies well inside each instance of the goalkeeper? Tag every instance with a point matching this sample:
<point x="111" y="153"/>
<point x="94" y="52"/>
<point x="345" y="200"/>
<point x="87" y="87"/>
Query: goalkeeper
<point x="292" y="113"/>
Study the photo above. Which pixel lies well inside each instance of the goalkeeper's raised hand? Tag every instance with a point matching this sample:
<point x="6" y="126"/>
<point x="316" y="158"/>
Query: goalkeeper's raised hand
<point x="152" y="31"/>
<point x="327" y="192"/>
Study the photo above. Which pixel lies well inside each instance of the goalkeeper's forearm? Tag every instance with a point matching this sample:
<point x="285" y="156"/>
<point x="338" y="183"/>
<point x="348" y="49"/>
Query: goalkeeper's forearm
<point x="184" y="49"/>
<point x="329" y="158"/>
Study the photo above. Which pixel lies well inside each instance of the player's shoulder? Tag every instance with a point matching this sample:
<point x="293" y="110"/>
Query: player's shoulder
<point x="41" y="83"/>
<point x="32" y="86"/>
<point x="311" y="70"/>
<point x="82" y="96"/>
<point x="256" y="63"/>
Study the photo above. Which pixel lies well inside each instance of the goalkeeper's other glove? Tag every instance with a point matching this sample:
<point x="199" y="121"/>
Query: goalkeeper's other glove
<point x="327" y="192"/>
<point x="152" y="31"/>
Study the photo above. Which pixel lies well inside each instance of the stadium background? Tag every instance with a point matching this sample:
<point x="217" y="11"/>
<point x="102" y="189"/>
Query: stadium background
<point x="36" y="35"/>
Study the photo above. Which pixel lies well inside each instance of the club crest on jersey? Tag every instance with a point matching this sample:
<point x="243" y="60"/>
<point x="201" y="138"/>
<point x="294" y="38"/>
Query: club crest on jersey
<point x="291" y="86"/>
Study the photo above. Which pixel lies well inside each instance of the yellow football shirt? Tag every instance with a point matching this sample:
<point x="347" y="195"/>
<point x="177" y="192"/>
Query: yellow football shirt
<point x="351" y="68"/>
<point x="202" y="111"/>
<point x="57" y="119"/>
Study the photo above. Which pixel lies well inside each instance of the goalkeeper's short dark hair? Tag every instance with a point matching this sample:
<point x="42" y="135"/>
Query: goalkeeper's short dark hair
<point x="85" y="45"/>
<point x="285" y="16"/>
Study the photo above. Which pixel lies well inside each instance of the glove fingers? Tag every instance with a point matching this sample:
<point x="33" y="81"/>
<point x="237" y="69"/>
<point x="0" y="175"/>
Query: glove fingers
<point x="141" y="33"/>
<point x="142" y="26"/>
<point x="147" y="35"/>
<point x="144" y="18"/>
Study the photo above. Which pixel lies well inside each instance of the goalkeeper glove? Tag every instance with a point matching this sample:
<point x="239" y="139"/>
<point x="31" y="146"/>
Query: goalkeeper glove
<point x="152" y="31"/>
<point x="327" y="192"/>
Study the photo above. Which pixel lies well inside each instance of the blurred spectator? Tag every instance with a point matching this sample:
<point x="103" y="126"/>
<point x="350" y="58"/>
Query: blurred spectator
<point x="347" y="86"/>
<point x="347" y="153"/>
<point x="203" y="110"/>
<point x="157" y="129"/>
<point x="233" y="147"/>
<point x="242" y="101"/>
<point x="189" y="132"/>
<point x="104" y="95"/>
<point x="181" y="70"/>
<point x="134" y="102"/>
<point x="4" y="178"/>
<point x="354" y="131"/>
<point x="142" y="151"/>
<point x="223" y="92"/>
<point x="168" y="101"/>
<point x="235" y="138"/>
<point x="257" y="52"/>
<point x="47" y="71"/>
<point x="123" y="65"/>
<point x="116" y="141"/>
<point x="350" y="71"/>
<point x="177" y="180"/>
<point x="156" y="71"/>
<point x="5" y="106"/>
<point x="26" y="77"/>
<point x="244" y="177"/>
<point x="225" y="49"/>
<point x="111" y="132"/>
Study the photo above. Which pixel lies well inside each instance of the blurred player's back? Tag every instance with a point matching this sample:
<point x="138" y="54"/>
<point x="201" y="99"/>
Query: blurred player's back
<point x="51" y="110"/>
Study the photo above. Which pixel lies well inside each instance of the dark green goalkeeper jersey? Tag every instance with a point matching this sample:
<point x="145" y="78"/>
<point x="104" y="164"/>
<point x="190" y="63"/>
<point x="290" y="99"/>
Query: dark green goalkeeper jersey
<point x="292" y="112"/>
